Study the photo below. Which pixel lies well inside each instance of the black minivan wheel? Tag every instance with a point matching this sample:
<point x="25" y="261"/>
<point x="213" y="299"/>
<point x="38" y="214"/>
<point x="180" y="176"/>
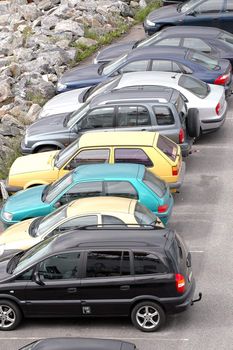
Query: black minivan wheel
<point x="148" y="316"/>
<point x="193" y="122"/>
<point x="10" y="315"/>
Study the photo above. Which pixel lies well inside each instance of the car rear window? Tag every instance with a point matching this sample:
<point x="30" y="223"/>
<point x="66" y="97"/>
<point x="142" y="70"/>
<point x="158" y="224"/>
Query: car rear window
<point x="204" y="60"/>
<point x="197" y="87"/>
<point x="144" y="216"/>
<point x="167" y="147"/>
<point x="157" y="185"/>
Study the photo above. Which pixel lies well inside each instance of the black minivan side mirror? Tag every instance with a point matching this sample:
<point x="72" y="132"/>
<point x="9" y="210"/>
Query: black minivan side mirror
<point x="37" y="278"/>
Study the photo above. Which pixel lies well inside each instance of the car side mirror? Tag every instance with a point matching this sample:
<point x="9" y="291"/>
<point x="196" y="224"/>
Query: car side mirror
<point x="193" y="13"/>
<point x="76" y="128"/>
<point x="57" y="205"/>
<point x="37" y="278"/>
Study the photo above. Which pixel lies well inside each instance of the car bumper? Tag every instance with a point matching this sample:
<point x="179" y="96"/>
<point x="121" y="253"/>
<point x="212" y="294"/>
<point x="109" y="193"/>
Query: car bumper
<point x="180" y="304"/>
<point x="208" y="125"/>
<point x="176" y="185"/>
<point x="25" y="149"/>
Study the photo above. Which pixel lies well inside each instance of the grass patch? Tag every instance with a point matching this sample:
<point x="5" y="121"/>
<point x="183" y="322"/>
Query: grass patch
<point x="143" y="13"/>
<point x="36" y="98"/>
<point x="6" y="162"/>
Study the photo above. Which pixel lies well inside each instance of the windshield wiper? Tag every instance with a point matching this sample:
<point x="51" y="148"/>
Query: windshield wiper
<point x="14" y="262"/>
<point x="87" y="93"/>
<point x="137" y="43"/>
<point x="45" y="192"/>
<point x="179" y="7"/>
<point x="34" y="226"/>
<point x="101" y="68"/>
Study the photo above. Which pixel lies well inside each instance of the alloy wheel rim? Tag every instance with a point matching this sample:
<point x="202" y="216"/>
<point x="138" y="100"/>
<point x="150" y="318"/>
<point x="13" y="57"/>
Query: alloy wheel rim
<point x="7" y="316"/>
<point x="147" y="317"/>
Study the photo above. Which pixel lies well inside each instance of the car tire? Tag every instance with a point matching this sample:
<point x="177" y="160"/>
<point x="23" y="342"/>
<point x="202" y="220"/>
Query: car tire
<point x="11" y="314"/>
<point x="193" y="122"/>
<point x="148" y="316"/>
<point x="46" y="149"/>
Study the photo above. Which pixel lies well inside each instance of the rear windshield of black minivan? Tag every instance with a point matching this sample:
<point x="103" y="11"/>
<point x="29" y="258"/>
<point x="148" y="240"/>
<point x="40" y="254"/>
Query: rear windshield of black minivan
<point x="167" y="147"/>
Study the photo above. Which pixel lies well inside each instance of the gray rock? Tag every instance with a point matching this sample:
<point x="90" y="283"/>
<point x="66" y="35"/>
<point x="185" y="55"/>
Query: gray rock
<point x="69" y="26"/>
<point x="86" y="41"/>
<point x="134" y="4"/>
<point x="49" y="22"/>
<point x="4" y="19"/>
<point x="45" y="5"/>
<point x="5" y="90"/>
<point x="5" y="61"/>
<point x="24" y="54"/>
<point x="33" y="113"/>
<point x="4" y="7"/>
<point x="29" y="12"/>
<point x="10" y="121"/>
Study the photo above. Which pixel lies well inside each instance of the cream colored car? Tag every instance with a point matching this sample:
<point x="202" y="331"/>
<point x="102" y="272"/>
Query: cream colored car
<point x="81" y="213"/>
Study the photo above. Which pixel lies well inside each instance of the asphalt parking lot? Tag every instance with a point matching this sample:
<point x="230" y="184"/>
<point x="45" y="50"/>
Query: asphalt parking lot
<point x="203" y="216"/>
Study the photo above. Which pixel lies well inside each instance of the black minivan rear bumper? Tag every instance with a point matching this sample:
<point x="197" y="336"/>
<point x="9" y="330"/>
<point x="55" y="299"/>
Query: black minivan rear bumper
<point x="179" y="304"/>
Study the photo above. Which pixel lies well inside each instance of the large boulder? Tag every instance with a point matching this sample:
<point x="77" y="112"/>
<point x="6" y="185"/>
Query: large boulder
<point x="70" y="26"/>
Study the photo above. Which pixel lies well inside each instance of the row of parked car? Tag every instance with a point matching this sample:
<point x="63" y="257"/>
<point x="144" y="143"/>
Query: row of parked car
<point x="88" y="222"/>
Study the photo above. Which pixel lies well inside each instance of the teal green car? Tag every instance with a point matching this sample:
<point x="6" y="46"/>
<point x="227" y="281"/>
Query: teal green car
<point x="124" y="180"/>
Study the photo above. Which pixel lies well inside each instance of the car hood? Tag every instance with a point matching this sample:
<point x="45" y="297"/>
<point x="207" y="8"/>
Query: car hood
<point x="114" y="51"/>
<point x="49" y="126"/>
<point x="26" y="202"/>
<point x="17" y="236"/>
<point x="88" y="73"/>
<point x="33" y="163"/>
<point x="63" y="103"/>
<point x="164" y="13"/>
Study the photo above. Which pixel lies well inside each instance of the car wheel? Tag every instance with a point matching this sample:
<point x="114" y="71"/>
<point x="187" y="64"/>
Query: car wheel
<point x="193" y="122"/>
<point x="10" y="315"/>
<point x="46" y="149"/>
<point x="148" y="316"/>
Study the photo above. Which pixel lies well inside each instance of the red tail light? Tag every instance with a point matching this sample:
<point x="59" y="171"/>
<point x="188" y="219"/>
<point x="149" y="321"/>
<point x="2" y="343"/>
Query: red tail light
<point x="218" y="108"/>
<point x="180" y="283"/>
<point x="222" y="79"/>
<point x="175" y="171"/>
<point x="181" y="136"/>
<point x="162" y="208"/>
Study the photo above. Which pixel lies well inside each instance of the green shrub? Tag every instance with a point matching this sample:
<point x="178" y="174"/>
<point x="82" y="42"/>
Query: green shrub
<point x="6" y="162"/>
<point x="143" y="13"/>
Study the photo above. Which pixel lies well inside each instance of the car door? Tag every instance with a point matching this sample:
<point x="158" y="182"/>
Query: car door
<point x="58" y="291"/>
<point x="85" y="156"/>
<point x="107" y="284"/>
<point x="226" y="17"/>
<point x="208" y="13"/>
<point x="151" y="274"/>
<point x="133" y="117"/>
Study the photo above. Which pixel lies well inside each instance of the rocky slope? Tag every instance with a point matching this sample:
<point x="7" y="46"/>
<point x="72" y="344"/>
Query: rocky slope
<point x="38" y="42"/>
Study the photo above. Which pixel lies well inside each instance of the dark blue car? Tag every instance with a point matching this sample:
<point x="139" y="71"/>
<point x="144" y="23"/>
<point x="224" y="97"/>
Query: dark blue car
<point x="211" y="13"/>
<point x="164" y="58"/>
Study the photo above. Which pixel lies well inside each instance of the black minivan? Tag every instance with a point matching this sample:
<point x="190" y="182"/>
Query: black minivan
<point x="142" y="272"/>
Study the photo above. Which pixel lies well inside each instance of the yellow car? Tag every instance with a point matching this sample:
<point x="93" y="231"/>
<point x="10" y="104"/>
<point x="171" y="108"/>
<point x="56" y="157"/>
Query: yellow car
<point x="96" y="211"/>
<point x="158" y="153"/>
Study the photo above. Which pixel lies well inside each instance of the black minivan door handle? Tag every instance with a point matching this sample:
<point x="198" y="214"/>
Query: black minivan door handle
<point x="71" y="290"/>
<point x="125" y="287"/>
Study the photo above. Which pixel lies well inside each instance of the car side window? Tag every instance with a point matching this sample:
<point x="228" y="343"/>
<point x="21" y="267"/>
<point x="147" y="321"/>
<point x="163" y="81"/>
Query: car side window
<point x="147" y="263"/>
<point x="112" y="220"/>
<point x="75" y="223"/>
<point x="107" y="264"/>
<point x="169" y="42"/>
<point x="162" y="65"/>
<point x="129" y="116"/>
<point x="83" y="190"/>
<point x="60" y="266"/>
<point x="194" y="43"/>
<point x="25" y="276"/>
<point x="185" y="69"/>
<point x="99" y="118"/>
<point x="163" y="115"/>
<point x="137" y="66"/>
<point x="120" y="189"/>
<point x="132" y="155"/>
<point x="90" y="156"/>
<point x="209" y="6"/>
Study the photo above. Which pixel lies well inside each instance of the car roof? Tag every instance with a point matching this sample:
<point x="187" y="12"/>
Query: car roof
<point x="82" y="344"/>
<point x="137" y="95"/>
<point x="120" y="138"/>
<point x="100" y="205"/>
<point x="108" y="171"/>
<point x="198" y="31"/>
<point x="150" y="52"/>
<point x="117" y="237"/>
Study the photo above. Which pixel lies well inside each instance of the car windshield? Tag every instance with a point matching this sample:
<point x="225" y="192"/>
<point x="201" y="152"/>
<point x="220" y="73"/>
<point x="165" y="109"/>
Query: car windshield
<point x="64" y="155"/>
<point x="197" y="87"/>
<point x="107" y="85"/>
<point x="204" y="60"/>
<point x="113" y="65"/>
<point x="187" y="6"/>
<point x="148" y="41"/>
<point x="144" y="216"/>
<point x="78" y="114"/>
<point x="227" y="38"/>
<point x="47" y="223"/>
<point x="32" y="255"/>
<point x="57" y="187"/>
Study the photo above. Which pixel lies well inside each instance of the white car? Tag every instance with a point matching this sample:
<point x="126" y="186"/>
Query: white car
<point x="208" y="98"/>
